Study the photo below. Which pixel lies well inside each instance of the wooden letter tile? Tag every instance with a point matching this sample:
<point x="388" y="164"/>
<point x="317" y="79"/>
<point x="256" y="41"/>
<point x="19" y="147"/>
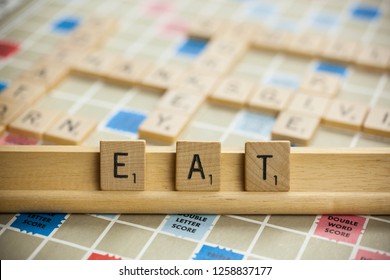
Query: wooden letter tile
<point x="306" y="44"/>
<point x="69" y="130"/>
<point x="271" y="39"/>
<point x="122" y="165"/>
<point x="299" y="129"/>
<point x="233" y="91"/>
<point x="267" y="166"/>
<point x="205" y="27"/>
<point x="373" y="56"/>
<point x="93" y="63"/>
<point x="9" y="110"/>
<point x="24" y="91"/>
<point x="162" y="77"/>
<point x="163" y="126"/>
<point x="346" y="114"/>
<point x="197" y="83"/>
<point x="310" y="105"/>
<point x="34" y="122"/>
<point x="47" y="74"/>
<point x="198" y="166"/>
<point x="378" y="121"/>
<point x="270" y="99"/>
<point x="180" y="101"/>
<point x="212" y="64"/>
<point x="339" y="50"/>
<point x="127" y="70"/>
<point x="321" y="84"/>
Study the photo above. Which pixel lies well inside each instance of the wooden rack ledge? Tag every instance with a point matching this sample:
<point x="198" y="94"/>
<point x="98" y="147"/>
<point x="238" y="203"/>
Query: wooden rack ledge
<point x="322" y="180"/>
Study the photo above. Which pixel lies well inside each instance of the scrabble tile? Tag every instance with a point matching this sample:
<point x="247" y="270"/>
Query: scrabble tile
<point x="236" y="30"/>
<point x="47" y="74"/>
<point x="69" y="130"/>
<point x="230" y="48"/>
<point x="122" y="165"/>
<point x="33" y="122"/>
<point x="378" y="121"/>
<point x="180" y="101"/>
<point x="24" y="91"/>
<point x="163" y="126"/>
<point x="2" y="129"/>
<point x="374" y="56"/>
<point x="94" y="63"/>
<point x="346" y="114"/>
<point x="198" y="166"/>
<point x="309" y="105"/>
<point x="299" y="129"/>
<point x="64" y="55"/>
<point x="340" y="50"/>
<point x="267" y="166"/>
<point x="233" y="91"/>
<point x="270" y="99"/>
<point x="83" y="39"/>
<point x="271" y="39"/>
<point x="321" y="84"/>
<point x="205" y="27"/>
<point x="212" y="64"/>
<point x="162" y="77"/>
<point x="9" y="110"/>
<point x="127" y="70"/>
<point x="197" y="83"/>
<point x="306" y="44"/>
<point x="104" y="25"/>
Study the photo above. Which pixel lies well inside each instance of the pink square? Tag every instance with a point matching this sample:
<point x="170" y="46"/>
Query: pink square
<point x="8" y="48"/>
<point x="97" y="256"/>
<point x="368" y="255"/>
<point x="156" y="8"/>
<point x="340" y="228"/>
<point x="12" y="139"/>
<point x="175" y="28"/>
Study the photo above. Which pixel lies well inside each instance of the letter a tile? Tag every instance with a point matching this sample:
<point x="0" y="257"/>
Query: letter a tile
<point x="122" y="165"/>
<point x="198" y="166"/>
<point x="267" y="166"/>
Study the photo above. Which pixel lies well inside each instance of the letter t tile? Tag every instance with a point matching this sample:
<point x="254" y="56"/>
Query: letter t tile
<point x="267" y="166"/>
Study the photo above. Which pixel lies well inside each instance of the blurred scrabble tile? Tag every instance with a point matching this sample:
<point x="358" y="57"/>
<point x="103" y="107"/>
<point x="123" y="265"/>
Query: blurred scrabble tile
<point x="24" y="90"/>
<point x="9" y="110"/>
<point x="340" y="50"/>
<point x="346" y="114"/>
<point x="162" y="77"/>
<point x="64" y="55"/>
<point x="374" y="56"/>
<point x="197" y="83"/>
<point x="180" y="101"/>
<point x="270" y="99"/>
<point x="47" y="74"/>
<point x="236" y="30"/>
<point x="95" y="63"/>
<point x="297" y="128"/>
<point x="2" y="129"/>
<point x="310" y="105"/>
<point x="33" y="122"/>
<point x="267" y="166"/>
<point x="321" y="84"/>
<point x="378" y="121"/>
<point x="271" y="39"/>
<point x="212" y="64"/>
<point x="203" y="27"/>
<point x="127" y="70"/>
<point x="233" y="91"/>
<point x="122" y="165"/>
<point x="163" y="126"/>
<point x="306" y="44"/>
<point x="198" y="166"/>
<point x="230" y="48"/>
<point x="69" y="130"/>
<point x="105" y="25"/>
<point x="83" y="39"/>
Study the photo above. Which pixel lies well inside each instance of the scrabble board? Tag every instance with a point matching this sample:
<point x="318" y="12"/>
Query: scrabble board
<point x="312" y="72"/>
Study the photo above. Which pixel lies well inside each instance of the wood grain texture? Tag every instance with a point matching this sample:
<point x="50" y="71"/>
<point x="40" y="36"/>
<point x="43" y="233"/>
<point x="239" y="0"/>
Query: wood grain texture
<point x="322" y="180"/>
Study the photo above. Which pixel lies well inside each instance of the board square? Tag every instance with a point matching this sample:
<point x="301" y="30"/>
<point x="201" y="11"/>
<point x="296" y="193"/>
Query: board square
<point x="365" y="12"/>
<point x="192" y="47"/>
<point x="8" y="48"/>
<point x="126" y="121"/>
<point x="332" y="68"/>
<point x="66" y="24"/>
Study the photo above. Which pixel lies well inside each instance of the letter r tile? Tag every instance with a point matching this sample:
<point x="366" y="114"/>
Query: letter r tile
<point x="122" y="165"/>
<point x="198" y="166"/>
<point x="267" y="166"/>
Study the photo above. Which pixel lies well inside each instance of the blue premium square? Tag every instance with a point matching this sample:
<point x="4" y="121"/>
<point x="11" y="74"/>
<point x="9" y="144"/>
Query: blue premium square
<point x="3" y="85"/>
<point x="38" y="223"/>
<point x="365" y="12"/>
<point x="66" y="25"/>
<point x="192" y="47"/>
<point x="216" y="253"/>
<point x="332" y="68"/>
<point x="126" y="121"/>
